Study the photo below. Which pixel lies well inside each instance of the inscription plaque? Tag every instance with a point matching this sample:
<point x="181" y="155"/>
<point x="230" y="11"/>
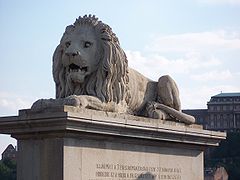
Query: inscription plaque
<point x="131" y="172"/>
<point x="121" y="161"/>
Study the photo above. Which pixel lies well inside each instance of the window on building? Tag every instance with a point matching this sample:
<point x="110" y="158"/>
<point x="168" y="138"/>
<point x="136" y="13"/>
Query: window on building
<point x="224" y="108"/>
<point x="212" y="123"/>
<point x="212" y="117"/>
<point x="238" y="116"/>
<point x="238" y="107"/>
<point x="231" y="123"/>
<point x="221" y="122"/>
<point x="225" y="123"/>
<point x="218" y="124"/>
<point x="238" y="123"/>
<point x="224" y="116"/>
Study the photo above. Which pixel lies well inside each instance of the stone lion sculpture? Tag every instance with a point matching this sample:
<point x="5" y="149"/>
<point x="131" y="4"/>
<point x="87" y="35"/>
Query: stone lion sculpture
<point x="90" y="70"/>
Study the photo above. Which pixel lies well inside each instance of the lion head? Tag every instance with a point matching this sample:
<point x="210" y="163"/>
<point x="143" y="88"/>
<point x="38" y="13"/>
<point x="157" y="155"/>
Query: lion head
<point x="90" y="61"/>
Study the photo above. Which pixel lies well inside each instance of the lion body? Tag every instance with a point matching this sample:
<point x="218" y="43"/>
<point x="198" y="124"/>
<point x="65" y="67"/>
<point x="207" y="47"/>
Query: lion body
<point x="142" y="91"/>
<point x="91" y="70"/>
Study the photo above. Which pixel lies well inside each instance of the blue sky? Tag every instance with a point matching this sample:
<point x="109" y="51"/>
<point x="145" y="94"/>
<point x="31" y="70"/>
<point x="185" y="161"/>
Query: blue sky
<point x="197" y="42"/>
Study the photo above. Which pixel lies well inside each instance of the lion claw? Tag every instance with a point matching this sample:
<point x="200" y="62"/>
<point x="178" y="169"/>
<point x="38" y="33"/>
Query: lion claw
<point x="72" y="101"/>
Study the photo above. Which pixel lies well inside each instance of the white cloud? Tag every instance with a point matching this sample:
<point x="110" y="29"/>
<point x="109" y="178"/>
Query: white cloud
<point x="195" y="88"/>
<point x="153" y="65"/>
<point x="199" y="62"/>
<point x="197" y="97"/>
<point x="213" y="76"/>
<point x="196" y="42"/>
<point x="10" y="103"/>
<point x="197" y="54"/>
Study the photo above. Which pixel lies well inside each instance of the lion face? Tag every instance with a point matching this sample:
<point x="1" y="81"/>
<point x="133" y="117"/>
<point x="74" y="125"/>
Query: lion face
<point x="90" y="61"/>
<point x="79" y="56"/>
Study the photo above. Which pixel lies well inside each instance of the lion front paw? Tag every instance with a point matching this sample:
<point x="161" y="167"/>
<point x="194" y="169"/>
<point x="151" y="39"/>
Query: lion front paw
<point x="73" y="100"/>
<point x="42" y="104"/>
<point x="77" y="101"/>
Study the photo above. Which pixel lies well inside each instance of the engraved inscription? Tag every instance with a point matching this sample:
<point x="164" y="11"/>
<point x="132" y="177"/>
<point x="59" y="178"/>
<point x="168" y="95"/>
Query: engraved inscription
<point x="131" y="172"/>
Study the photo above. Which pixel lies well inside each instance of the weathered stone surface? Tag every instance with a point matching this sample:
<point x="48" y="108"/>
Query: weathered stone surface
<point x="69" y="143"/>
<point x="90" y="70"/>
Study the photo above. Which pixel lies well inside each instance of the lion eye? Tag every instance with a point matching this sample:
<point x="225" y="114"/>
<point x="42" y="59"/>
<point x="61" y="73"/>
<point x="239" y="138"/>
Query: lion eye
<point x="87" y="44"/>
<point x="68" y="44"/>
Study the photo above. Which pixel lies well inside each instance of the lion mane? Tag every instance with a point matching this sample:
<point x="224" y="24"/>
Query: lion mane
<point x="110" y="81"/>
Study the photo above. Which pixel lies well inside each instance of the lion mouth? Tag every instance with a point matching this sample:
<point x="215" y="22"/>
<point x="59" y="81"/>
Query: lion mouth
<point x="76" y="68"/>
<point x="76" y="73"/>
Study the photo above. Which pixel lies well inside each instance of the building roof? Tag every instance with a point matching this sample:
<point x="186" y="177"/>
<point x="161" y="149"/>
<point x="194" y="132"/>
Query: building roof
<point x="10" y="146"/>
<point x="236" y="94"/>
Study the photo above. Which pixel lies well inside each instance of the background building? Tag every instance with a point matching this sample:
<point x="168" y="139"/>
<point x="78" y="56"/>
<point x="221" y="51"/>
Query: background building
<point x="199" y="114"/>
<point x="222" y="113"/>
<point x="10" y="153"/>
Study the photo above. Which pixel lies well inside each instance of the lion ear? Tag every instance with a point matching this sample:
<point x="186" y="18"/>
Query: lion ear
<point x="56" y="68"/>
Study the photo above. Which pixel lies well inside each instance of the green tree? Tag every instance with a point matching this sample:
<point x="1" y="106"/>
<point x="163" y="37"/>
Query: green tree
<point x="8" y="170"/>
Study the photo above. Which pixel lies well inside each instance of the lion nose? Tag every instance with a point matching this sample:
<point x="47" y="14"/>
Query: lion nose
<point x="72" y="54"/>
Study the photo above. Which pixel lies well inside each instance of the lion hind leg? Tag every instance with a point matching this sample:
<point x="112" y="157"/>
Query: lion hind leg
<point x="168" y="93"/>
<point x="155" y="113"/>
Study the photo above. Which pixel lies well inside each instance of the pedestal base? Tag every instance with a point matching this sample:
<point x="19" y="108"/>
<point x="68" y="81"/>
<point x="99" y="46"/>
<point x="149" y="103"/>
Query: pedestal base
<point x="69" y="143"/>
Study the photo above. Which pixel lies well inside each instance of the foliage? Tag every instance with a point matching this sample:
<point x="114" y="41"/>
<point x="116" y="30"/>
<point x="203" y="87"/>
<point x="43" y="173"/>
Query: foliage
<point x="227" y="154"/>
<point x="8" y="170"/>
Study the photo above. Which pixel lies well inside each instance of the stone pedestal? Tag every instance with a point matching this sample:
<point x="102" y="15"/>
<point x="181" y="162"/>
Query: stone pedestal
<point x="68" y="143"/>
